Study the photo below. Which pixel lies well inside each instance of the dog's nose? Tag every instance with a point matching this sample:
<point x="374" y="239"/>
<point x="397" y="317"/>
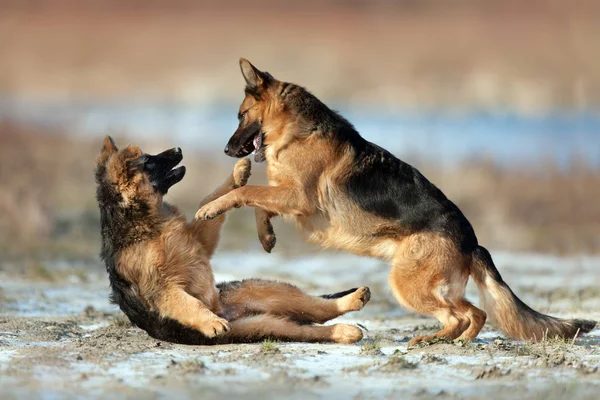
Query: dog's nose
<point x="227" y="149"/>
<point x="177" y="150"/>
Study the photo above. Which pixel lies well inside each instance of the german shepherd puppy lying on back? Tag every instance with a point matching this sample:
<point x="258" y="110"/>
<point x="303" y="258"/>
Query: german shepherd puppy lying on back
<point x="159" y="264"/>
<point x="350" y="194"/>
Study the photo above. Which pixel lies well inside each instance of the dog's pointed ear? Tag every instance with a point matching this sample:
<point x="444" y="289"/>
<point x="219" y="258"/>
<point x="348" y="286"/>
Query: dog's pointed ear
<point x="108" y="148"/>
<point x="109" y="145"/>
<point x="254" y="77"/>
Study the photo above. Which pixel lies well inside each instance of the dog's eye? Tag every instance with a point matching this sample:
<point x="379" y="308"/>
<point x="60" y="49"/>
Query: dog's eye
<point x="242" y="114"/>
<point x="138" y="162"/>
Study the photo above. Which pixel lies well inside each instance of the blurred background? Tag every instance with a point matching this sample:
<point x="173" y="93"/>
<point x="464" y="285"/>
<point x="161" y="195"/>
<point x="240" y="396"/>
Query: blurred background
<point x="497" y="102"/>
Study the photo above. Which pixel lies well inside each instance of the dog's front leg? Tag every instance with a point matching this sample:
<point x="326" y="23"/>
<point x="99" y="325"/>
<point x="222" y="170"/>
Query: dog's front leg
<point x="238" y="178"/>
<point x="175" y="303"/>
<point x="277" y="200"/>
<point x="207" y="232"/>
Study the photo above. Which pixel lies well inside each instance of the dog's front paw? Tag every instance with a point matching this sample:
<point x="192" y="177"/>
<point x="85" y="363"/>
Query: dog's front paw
<point x="268" y="241"/>
<point x="241" y="172"/>
<point x="209" y="211"/>
<point x="266" y="234"/>
<point x="214" y="327"/>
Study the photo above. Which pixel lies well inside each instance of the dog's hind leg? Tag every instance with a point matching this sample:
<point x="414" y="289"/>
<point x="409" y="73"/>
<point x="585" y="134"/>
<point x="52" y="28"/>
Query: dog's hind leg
<point x="429" y="276"/>
<point x="253" y="296"/>
<point x="260" y="327"/>
<point x="422" y="298"/>
<point x="207" y="232"/>
<point x="476" y="318"/>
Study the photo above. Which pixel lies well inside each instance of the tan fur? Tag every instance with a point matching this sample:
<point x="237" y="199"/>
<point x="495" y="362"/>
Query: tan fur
<point x="306" y="175"/>
<point x="282" y="299"/>
<point x="172" y="275"/>
<point x="254" y="328"/>
<point x="304" y="178"/>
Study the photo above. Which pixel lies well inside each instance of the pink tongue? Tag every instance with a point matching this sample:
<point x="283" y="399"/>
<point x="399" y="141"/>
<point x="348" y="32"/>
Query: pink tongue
<point x="255" y="142"/>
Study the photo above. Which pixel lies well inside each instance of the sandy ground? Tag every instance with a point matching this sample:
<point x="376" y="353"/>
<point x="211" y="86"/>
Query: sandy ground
<point x="62" y="339"/>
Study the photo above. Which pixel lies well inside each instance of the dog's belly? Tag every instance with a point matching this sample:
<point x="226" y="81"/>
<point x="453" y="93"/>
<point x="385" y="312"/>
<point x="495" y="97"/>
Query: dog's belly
<point x="383" y="248"/>
<point x="330" y="236"/>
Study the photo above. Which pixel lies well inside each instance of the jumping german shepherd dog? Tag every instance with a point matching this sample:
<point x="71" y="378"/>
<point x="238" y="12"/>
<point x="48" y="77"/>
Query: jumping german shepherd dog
<point x="159" y="265"/>
<point x="350" y="194"/>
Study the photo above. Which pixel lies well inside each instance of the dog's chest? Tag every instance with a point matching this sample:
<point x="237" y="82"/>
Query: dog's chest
<point x="280" y="173"/>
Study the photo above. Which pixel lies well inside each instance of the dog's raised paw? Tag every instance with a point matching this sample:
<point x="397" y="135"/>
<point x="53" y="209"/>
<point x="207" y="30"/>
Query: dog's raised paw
<point x="364" y="294"/>
<point x="356" y="300"/>
<point x="268" y="241"/>
<point x="208" y="212"/>
<point x="242" y="172"/>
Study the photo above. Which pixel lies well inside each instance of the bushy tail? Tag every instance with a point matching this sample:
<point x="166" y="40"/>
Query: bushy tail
<point x="510" y="314"/>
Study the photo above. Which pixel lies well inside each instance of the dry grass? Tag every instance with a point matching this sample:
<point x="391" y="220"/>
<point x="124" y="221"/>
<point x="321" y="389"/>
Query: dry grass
<point x="269" y="346"/>
<point x="35" y="169"/>
<point x="396" y="363"/>
<point x="535" y="207"/>
<point x="525" y="56"/>
<point x="47" y="203"/>
<point x="371" y="347"/>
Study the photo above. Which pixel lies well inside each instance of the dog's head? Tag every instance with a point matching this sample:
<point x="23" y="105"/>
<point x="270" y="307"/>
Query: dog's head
<point x="134" y="177"/>
<point x="270" y="115"/>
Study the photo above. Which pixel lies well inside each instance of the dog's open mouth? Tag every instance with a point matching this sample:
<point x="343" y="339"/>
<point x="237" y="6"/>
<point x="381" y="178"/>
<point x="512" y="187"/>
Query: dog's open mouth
<point x="254" y="145"/>
<point x="173" y="176"/>
<point x="162" y="170"/>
